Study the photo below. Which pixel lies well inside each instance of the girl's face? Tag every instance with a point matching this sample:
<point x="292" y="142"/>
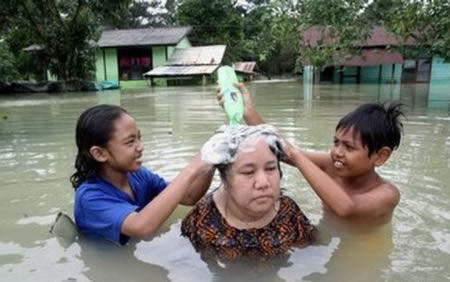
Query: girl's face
<point x="253" y="182"/>
<point x="124" y="149"/>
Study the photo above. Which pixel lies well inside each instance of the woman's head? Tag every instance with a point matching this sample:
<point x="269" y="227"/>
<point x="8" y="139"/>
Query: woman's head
<point x="248" y="160"/>
<point x="95" y="127"/>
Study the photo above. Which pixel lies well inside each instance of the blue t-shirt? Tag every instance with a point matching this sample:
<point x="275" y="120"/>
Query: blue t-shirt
<point x="100" y="207"/>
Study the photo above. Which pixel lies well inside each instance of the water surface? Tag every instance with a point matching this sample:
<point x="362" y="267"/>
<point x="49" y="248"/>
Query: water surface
<point x="36" y="159"/>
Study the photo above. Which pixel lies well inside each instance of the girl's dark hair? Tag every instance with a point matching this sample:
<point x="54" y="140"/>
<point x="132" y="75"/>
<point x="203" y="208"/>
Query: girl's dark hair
<point x="277" y="151"/>
<point x="95" y="127"/>
<point x="377" y="124"/>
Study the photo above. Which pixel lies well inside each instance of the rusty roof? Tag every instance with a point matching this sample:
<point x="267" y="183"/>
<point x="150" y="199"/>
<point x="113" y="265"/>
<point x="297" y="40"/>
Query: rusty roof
<point x="202" y="55"/>
<point x="143" y="36"/>
<point x="373" y="57"/>
<point x="191" y="61"/>
<point x="165" y="71"/>
<point x="244" y="67"/>
<point x="379" y="37"/>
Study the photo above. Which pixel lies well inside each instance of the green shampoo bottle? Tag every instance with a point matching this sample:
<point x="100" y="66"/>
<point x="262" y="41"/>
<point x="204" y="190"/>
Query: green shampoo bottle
<point x="233" y="104"/>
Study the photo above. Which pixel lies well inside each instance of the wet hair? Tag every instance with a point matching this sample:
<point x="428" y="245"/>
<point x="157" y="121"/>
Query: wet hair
<point x="276" y="149"/>
<point x="378" y="125"/>
<point x="95" y="127"/>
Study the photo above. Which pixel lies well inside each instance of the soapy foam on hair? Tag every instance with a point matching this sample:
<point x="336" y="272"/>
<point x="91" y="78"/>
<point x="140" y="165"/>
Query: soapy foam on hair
<point x="223" y="147"/>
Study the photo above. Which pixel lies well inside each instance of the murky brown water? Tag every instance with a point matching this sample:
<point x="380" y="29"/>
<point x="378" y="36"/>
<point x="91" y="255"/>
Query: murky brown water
<point x="36" y="158"/>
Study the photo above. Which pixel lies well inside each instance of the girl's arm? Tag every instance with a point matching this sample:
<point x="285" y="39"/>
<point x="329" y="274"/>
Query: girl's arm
<point x="198" y="188"/>
<point x="144" y="223"/>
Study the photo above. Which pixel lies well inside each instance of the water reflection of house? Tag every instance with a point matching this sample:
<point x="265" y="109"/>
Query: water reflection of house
<point x="125" y="55"/>
<point x="193" y="65"/>
<point x="378" y="63"/>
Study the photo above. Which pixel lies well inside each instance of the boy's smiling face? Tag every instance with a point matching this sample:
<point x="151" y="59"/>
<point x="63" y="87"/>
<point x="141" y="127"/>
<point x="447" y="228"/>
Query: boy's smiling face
<point x="350" y="158"/>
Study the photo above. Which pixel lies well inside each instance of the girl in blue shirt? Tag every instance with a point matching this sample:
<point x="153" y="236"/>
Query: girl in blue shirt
<point x="116" y="198"/>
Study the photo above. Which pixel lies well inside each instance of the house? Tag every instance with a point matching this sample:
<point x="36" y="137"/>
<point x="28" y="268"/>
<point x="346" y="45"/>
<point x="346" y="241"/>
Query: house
<point x="124" y="55"/>
<point x="244" y="70"/>
<point x="190" y="65"/>
<point x="378" y="63"/>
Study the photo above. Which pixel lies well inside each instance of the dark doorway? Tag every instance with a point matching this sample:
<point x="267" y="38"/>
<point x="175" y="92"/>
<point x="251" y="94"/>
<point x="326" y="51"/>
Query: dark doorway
<point x="417" y="71"/>
<point x="133" y="62"/>
<point x="327" y="75"/>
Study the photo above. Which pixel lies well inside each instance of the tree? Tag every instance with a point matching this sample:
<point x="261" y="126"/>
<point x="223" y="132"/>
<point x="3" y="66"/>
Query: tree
<point x="341" y="26"/>
<point x="64" y="29"/>
<point x="8" y="69"/>
<point x="344" y="24"/>
<point x="214" y="22"/>
<point x="425" y="21"/>
<point x="141" y="14"/>
<point x="258" y="30"/>
<point x="271" y="29"/>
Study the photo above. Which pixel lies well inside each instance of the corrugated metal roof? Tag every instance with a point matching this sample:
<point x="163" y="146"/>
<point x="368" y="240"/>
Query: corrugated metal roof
<point x="191" y="61"/>
<point x="203" y="55"/>
<point x="143" y="36"/>
<point x="374" y="57"/>
<point x="181" y="70"/>
<point x="244" y="67"/>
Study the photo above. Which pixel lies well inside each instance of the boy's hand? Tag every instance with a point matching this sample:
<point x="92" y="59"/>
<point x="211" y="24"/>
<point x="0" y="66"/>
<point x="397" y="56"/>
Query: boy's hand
<point x="246" y="96"/>
<point x="219" y="97"/>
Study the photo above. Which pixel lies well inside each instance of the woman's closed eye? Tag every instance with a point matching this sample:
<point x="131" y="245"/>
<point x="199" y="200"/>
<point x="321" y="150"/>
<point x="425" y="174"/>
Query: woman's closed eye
<point x="247" y="172"/>
<point x="271" y="168"/>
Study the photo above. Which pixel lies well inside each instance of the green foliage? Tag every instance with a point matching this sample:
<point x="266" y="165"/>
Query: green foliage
<point x="8" y="70"/>
<point x="261" y="30"/>
<point x="346" y="23"/>
<point x="213" y="22"/>
<point x="425" y="21"/>
<point x="342" y="26"/>
<point x="141" y="13"/>
<point x="63" y="28"/>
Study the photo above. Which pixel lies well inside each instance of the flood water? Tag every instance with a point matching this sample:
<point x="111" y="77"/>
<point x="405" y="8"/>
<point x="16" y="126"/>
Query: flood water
<point x="37" y="153"/>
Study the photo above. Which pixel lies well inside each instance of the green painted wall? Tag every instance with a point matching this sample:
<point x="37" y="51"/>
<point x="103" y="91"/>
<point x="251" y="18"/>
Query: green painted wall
<point x="389" y="74"/>
<point x="370" y="74"/>
<point x="99" y="65"/>
<point x="159" y="57"/>
<point x="184" y="43"/>
<point x="350" y="71"/>
<point x="110" y="61"/>
<point x="440" y="80"/>
<point x="112" y="68"/>
<point x="134" y="83"/>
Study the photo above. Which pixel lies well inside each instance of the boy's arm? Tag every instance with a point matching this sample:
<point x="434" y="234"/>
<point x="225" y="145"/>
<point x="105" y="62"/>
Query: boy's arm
<point x="252" y="117"/>
<point x="144" y="223"/>
<point x="376" y="203"/>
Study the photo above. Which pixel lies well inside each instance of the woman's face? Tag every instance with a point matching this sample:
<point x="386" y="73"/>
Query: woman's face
<point x="253" y="180"/>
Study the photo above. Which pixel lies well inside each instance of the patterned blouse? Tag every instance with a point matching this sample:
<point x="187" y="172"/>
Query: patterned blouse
<point x="211" y="235"/>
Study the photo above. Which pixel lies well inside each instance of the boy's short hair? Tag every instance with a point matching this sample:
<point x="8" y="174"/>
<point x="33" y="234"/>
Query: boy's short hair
<point x="378" y="125"/>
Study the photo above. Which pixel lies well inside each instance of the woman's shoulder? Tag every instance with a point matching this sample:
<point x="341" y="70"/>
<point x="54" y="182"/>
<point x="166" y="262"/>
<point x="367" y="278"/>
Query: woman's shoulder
<point x="205" y="207"/>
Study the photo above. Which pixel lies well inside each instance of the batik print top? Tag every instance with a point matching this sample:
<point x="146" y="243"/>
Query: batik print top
<point x="210" y="233"/>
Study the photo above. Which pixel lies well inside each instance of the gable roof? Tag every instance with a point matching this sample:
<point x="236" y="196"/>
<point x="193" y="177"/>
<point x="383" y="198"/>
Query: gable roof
<point x="143" y="36"/>
<point x="191" y="61"/>
<point x="244" y="67"/>
<point x="379" y="37"/>
<point x="372" y="57"/>
<point x="201" y="55"/>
